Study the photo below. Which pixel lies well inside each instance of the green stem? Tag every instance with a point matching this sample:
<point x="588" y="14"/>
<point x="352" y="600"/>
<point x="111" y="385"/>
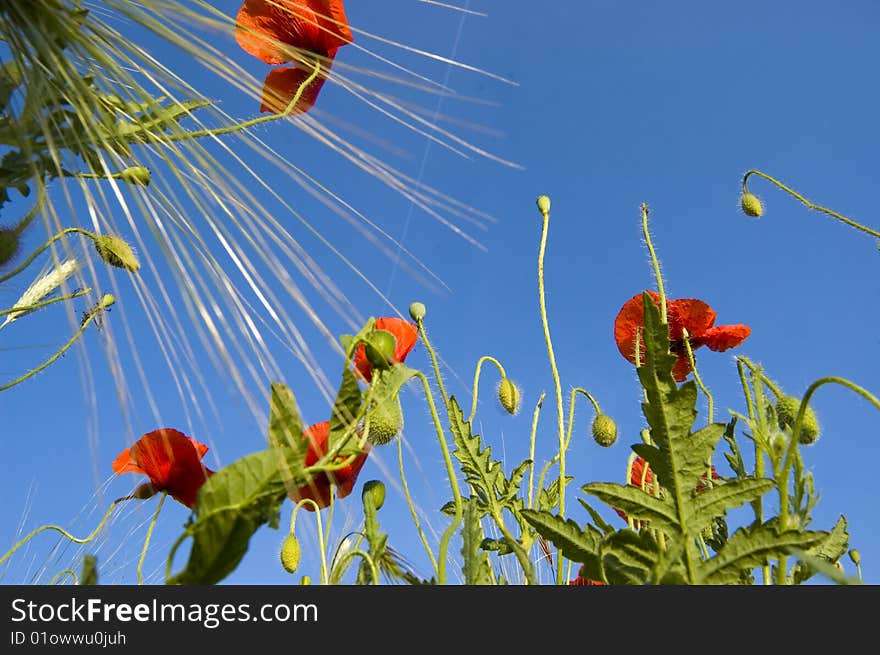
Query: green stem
<point x="105" y="302"/>
<point x="321" y="545"/>
<point x="574" y="392"/>
<point x="27" y="262"/>
<point x="140" y="566"/>
<point x="560" y="412"/>
<point x="32" y="214"/>
<point x="522" y="555"/>
<point x="346" y="559"/>
<point x="656" y="264"/>
<point x="434" y="361"/>
<point x="757" y="369"/>
<point x="809" y="204"/>
<point x="412" y="509"/>
<point x="690" y="354"/>
<point x="485" y="358"/>
<point x="63" y="532"/>
<point x="532" y="448"/>
<point x="453" y="481"/>
<point x="69" y="572"/>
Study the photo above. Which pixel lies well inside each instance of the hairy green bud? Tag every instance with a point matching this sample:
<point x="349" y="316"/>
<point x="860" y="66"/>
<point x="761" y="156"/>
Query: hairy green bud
<point x="417" y="311"/>
<point x="374" y="493"/>
<point x="509" y="396"/>
<point x="386" y="421"/>
<point x="116" y="252"/>
<point x="604" y="430"/>
<point x="290" y="553"/>
<point x="137" y="175"/>
<point x="9" y="244"/>
<point x="751" y="205"/>
<point x="786" y="413"/>
<point x="855" y="556"/>
<point x="380" y="348"/>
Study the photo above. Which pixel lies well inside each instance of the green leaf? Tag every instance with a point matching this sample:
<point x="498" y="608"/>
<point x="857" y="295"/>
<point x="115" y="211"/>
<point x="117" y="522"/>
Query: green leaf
<point x="231" y="506"/>
<point x="813" y="564"/>
<point x="475" y="567"/>
<point x="635" y="502"/>
<point x="830" y="550"/>
<point x="480" y="470"/>
<point x="604" y="526"/>
<point x="89" y="573"/>
<point x="286" y="434"/>
<point x="499" y="546"/>
<point x="576" y="544"/>
<point x="716" y="501"/>
<point x="346" y="409"/>
<point x="734" y="457"/>
<point x="752" y="547"/>
<point x="628" y="557"/>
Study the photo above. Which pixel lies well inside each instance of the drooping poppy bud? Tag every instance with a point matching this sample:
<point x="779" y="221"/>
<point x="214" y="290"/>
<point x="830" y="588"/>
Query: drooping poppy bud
<point x="509" y="396"/>
<point x="386" y="421"/>
<point x="751" y="205"/>
<point x="604" y="430"/>
<point x="116" y="252"/>
<point x="786" y="413"/>
<point x="374" y="493"/>
<point x="290" y="553"/>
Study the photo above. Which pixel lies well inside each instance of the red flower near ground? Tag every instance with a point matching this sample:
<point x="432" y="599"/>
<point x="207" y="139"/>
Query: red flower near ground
<point x="581" y="581"/>
<point x="172" y="461"/>
<point x="642" y="476"/>
<point x="319" y="488"/>
<point x="275" y="31"/>
<point x="405" y="336"/>
<point x="689" y="314"/>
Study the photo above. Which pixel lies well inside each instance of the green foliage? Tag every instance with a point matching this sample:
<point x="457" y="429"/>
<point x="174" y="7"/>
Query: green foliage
<point x="476" y="567"/>
<point x="829" y="550"/>
<point x="89" y="572"/>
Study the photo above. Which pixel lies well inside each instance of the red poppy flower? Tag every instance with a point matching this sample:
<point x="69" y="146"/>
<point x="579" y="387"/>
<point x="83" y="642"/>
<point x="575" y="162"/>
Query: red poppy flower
<point x="405" y="336"/>
<point x="581" y="581"/>
<point x="689" y="314"/>
<point x="272" y="30"/>
<point x="643" y="477"/>
<point x="319" y="487"/>
<point x="172" y="461"/>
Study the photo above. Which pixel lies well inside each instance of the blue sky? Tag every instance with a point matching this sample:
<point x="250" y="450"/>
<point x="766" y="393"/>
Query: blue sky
<point x="613" y="105"/>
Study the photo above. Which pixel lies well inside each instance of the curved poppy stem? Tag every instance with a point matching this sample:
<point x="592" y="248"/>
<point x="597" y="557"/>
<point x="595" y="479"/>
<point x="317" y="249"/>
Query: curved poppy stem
<point x="693" y="362"/>
<point x="574" y="392"/>
<point x="105" y="302"/>
<point x="757" y="369"/>
<point x="484" y="358"/>
<point x="655" y="262"/>
<point x="345" y="561"/>
<point x="412" y="508"/>
<point x="809" y="204"/>
<point x="140" y="565"/>
<point x="322" y="546"/>
<point x="532" y="438"/>
<point x="560" y="412"/>
<point x="453" y="481"/>
<point x="254" y="121"/>
<point x="31" y="308"/>
<point x="60" y="574"/>
<point x="27" y="262"/>
<point x="64" y="532"/>
<point x="420" y="323"/>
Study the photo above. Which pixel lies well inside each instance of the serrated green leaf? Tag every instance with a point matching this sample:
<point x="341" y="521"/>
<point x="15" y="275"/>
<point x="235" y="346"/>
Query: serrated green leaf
<point x="285" y="433"/>
<point x="604" y="526"/>
<point x="475" y="567"/>
<point x="346" y="409"/>
<point x="636" y="503"/>
<point x="480" y="471"/>
<point x="628" y="557"/>
<point x="575" y="544"/>
<point x="499" y="546"/>
<point x="813" y="564"/>
<point x="752" y="547"/>
<point x="548" y="498"/>
<point x="232" y="504"/>
<point x="714" y="502"/>
<point x="830" y="549"/>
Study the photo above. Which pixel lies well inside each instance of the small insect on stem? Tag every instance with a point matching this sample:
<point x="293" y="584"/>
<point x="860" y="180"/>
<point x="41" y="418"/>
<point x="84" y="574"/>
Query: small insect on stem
<point x="97" y="311"/>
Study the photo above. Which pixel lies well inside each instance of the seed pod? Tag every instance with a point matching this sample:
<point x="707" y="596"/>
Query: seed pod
<point x="751" y="205"/>
<point x="374" y="493"/>
<point x="290" y="553"/>
<point x="386" y="421"/>
<point x="786" y="413"/>
<point x="380" y="348"/>
<point x="116" y="252"/>
<point x="417" y="311"/>
<point x="544" y="204"/>
<point x="604" y="430"/>
<point x="855" y="556"/>
<point x="137" y="175"/>
<point x="509" y="396"/>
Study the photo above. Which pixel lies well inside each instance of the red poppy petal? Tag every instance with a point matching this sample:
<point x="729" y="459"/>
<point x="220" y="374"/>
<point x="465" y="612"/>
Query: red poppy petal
<point x="264" y="27"/>
<point x="629" y="321"/>
<point x="316" y="435"/>
<point x="723" y="337"/>
<point x="405" y="335"/>
<point x="125" y="464"/>
<point x="682" y="367"/>
<point x="282" y="84"/>
<point x="173" y="463"/>
<point x="334" y="29"/>
<point x="345" y="478"/>
<point x="691" y="314"/>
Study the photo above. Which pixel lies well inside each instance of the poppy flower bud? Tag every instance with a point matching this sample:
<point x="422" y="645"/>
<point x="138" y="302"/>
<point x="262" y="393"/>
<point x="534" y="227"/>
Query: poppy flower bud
<point x="751" y="205"/>
<point x="137" y="175"/>
<point x="374" y="493"/>
<point x="509" y="396"/>
<point x="290" y="553"/>
<point x="380" y="348"/>
<point x="417" y="311"/>
<point x="144" y="491"/>
<point x="604" y="430"/>
<point x="855" y="556"/>
<point x="9" y="244"/>
<point x="386" y="422"/>
<point x="778" y="444"/>
<point x="544" y="204"/>
<point x="786" y="412"/>
<point x="116" y="252"/>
